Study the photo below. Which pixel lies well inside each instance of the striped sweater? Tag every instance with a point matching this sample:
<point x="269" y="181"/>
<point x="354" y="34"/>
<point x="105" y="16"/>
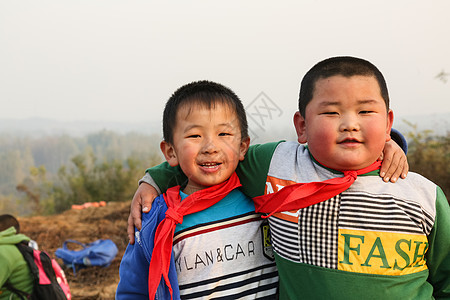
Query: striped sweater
<point x="375" y="240"/>
<point x="221" y="252"/>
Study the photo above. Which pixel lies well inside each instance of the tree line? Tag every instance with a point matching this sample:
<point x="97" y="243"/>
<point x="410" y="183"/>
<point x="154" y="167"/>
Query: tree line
<point x="46" y="175"/>
<point x="429" y="155"/>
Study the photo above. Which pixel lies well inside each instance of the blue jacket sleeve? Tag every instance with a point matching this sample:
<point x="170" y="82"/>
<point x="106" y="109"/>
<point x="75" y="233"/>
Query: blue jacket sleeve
<point x="135" y="263"/>
<point x="399" y="139"/>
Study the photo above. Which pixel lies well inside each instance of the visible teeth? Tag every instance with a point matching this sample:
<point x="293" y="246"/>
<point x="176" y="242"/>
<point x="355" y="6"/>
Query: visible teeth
<point x="209" y="165"/>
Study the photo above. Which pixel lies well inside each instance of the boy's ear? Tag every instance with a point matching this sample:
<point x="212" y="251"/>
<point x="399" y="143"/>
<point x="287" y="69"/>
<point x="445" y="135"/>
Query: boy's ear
<point x="300" y="127"/>
<point x="169" y="153"/>
<point x="390" y="121"/>
<point x="245" y="143"/>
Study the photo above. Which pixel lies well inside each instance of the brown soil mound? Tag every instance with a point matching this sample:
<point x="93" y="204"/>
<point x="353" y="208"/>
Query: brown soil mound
<point x="87" y="225"/>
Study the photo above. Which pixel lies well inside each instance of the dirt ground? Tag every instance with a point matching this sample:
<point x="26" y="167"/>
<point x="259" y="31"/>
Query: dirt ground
<point x="87" y="225"/>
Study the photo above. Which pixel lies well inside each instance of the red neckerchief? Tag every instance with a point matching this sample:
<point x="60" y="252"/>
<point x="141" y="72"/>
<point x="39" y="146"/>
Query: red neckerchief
<point x="301" y="195"/>
<point x="200" y="200"/>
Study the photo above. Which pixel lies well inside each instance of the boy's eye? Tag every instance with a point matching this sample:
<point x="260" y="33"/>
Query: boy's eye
<point x="330" y="113"/>
<point x="193" y="136"/>
<point x="224" y="134"/>
<point x="366" y="112"/>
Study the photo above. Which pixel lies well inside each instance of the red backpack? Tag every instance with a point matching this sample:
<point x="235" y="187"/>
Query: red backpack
<point x="49" y="280"/>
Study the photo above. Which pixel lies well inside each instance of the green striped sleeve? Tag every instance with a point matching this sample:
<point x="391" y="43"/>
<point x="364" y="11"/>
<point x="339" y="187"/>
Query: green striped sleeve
<point x="252" y="171"/>
<point x="438" y="255"/>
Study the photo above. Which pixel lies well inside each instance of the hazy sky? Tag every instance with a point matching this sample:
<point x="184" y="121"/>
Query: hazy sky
<point x="121" y="60"/>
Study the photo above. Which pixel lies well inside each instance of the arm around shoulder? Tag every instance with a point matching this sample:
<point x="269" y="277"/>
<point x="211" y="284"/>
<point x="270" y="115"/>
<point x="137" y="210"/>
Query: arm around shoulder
<point x="166" y="176"/>
<point x="252" y="171"/>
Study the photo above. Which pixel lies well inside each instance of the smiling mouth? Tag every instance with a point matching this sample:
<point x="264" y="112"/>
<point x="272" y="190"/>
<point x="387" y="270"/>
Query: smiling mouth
<point x="210" y="165"/>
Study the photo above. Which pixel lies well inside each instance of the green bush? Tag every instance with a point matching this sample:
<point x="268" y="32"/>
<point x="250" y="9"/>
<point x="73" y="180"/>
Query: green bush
<point x="429" y="155"/>
<point x="86" y="180"/>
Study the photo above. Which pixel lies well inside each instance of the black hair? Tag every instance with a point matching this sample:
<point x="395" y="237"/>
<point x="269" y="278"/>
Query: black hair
<point x="7" y="221"/>
<point x="346" y="66"/>
<point x="205" y="93"/>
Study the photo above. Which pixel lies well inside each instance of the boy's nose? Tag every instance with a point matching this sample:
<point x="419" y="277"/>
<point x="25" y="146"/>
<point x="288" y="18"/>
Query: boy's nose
<point x="209" y="146"/>
<point x="349" y="123"/>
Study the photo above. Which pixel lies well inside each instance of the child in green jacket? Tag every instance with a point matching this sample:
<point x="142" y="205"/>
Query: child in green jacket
<point x="13" y="267"/>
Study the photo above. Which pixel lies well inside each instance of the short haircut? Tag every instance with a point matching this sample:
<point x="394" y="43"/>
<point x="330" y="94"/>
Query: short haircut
<point x="346" y="66"/>
<point x="204" y="93"/>
<point x="7" y="221"/>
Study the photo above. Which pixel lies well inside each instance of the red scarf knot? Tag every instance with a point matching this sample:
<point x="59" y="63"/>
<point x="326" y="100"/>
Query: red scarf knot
<point x="198" y="201"/>
<point x="173" y="215"/>
<point x="353" y="174"/>
<point x="300" y="195"/>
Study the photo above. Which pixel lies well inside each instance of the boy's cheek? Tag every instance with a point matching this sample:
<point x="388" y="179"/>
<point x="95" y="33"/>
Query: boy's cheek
<point x="322" y="138"/>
